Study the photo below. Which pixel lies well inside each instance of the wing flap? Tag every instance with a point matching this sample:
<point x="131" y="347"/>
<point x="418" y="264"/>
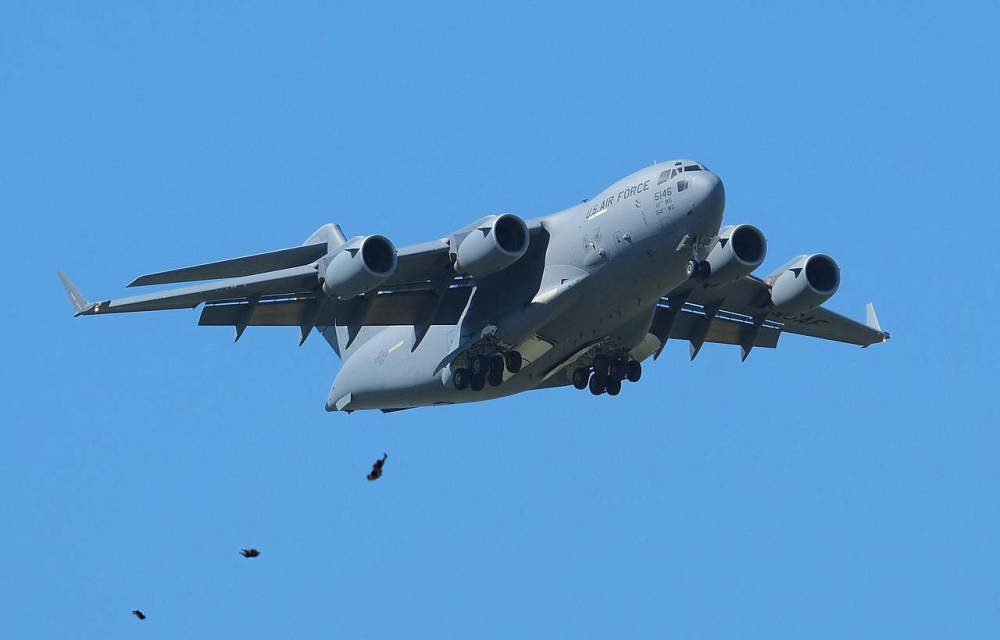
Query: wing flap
<point x="384" y="309"/>
<point x="236" y="267"/>
<point x="286" y="281"/>
<point x="724" y="328"/>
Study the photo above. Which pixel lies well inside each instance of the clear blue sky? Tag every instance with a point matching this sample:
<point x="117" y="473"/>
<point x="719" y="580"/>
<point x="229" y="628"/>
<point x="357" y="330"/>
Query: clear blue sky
<point x="818" y="490"/>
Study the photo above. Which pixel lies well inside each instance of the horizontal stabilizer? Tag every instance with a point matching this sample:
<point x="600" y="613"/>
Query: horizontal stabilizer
<point x="236" y="267"/>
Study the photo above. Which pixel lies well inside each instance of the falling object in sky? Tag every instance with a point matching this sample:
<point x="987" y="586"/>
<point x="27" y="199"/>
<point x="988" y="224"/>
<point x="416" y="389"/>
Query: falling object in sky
<point x="376" y="472"/>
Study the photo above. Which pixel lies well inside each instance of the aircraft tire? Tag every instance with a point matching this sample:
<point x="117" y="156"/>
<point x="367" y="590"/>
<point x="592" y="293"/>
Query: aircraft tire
<point x="476" y="383"/>
<point x="598" y="383"/>
<point x="601" y="364"/>
<point x="513" y="361"/>
<point x="581" y="377"/>
<point x="614" y="386"/>
<point x="496" y="364"/>
<point x="634" y="371"/>
<point x="494" y="377"/>
<point x="480" y="365"/>
<point x="691" y="268"/>
<point x="460" y="378"/>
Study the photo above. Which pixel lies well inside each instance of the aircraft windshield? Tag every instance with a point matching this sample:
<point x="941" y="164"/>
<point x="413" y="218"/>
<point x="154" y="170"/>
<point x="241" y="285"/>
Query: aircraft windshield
<point x="672" y="173"/>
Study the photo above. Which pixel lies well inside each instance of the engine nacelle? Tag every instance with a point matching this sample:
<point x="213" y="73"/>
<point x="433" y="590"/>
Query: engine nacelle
<point x="358" y="266"/>
<point x="804" y="282"/>
<point x="494" y="244"/>
<point x="740" y="249"/>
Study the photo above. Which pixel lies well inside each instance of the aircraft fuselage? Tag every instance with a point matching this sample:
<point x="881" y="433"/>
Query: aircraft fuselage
<point x="607" y="261"/>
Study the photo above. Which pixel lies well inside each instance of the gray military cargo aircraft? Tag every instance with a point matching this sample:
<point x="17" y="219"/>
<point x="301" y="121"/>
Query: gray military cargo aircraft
<point x="580" y="297"/>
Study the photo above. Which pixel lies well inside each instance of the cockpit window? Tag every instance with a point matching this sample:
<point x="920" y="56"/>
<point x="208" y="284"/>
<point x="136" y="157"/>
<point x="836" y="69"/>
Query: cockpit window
<point x="693" y="167"/>
<point x="663" y="177"/>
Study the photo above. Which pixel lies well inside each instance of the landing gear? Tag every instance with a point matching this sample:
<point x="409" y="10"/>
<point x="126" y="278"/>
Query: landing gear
<point x="614" y="386"/>
<point x="513" y="361"/>
<point x="598" y="383"/>
<point x="461" y="378"/>
<point x="477" y="383"/>
<point x="480" y="365"/>
<point x="699" y="270"/>
<point x="602" y="364"/>
<point x="608" y="374"/>
<point x="495" y="374"/>
<point x="486" y="369"/>
<point x="619" y="369"/>
<point x="634" y="371"/>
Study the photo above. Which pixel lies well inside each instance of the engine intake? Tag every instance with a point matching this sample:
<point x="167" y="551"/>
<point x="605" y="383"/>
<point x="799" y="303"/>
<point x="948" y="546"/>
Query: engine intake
<point x="358" y="266"/>
<point x="740" y="250"/>
<point x="804" y="282"/>
<point x="495" y="243"/>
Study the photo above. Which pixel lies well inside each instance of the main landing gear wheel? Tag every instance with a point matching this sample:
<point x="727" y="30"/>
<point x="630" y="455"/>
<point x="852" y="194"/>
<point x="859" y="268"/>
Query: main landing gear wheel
<point x="493" y="378"/>
<point x="496" y="363"/>
<point x="461" y="378"/>
<point x="476" y="383"/>
<point x="699" y="270"/>
<point x="601" y="364"/>
<point x="598" y="383"/>
<point x="704" y="269"/>
<point x="480" y="365"/>
<point x="495" y="374"/>
<point x="634" y="371"/>
<point x="614" y="386"/>
<point x="513" y="361"/>
<point x="580" y="378"/>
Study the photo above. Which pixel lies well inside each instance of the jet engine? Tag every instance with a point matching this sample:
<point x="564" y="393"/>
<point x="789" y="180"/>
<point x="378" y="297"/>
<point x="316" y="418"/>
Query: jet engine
<point x="740" y="250"/>
<point x="495" y="243"/>
<point x="359" y="265"/>
<point x="804" y="282"/>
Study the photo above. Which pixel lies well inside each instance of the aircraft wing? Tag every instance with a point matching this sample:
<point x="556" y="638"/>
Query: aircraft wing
<point x="741" y="313"/>
<point x="282" y="288"/>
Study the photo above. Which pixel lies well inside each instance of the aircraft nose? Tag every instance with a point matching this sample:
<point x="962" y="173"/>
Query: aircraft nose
<point x="708" y="192"/>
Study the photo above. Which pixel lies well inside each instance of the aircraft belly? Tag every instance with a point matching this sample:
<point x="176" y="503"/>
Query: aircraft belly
<point x="611" y="306"/>
<point x="385" y="374"/>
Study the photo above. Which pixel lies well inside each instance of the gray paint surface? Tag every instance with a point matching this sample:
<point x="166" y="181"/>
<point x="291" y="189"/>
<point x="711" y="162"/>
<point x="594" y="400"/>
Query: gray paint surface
<point x="608" y="276"/>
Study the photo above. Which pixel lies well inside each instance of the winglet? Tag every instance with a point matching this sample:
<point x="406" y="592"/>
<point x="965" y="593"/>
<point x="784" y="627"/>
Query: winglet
<point x="80" y="304"/>
<point x="870" y="318"/>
